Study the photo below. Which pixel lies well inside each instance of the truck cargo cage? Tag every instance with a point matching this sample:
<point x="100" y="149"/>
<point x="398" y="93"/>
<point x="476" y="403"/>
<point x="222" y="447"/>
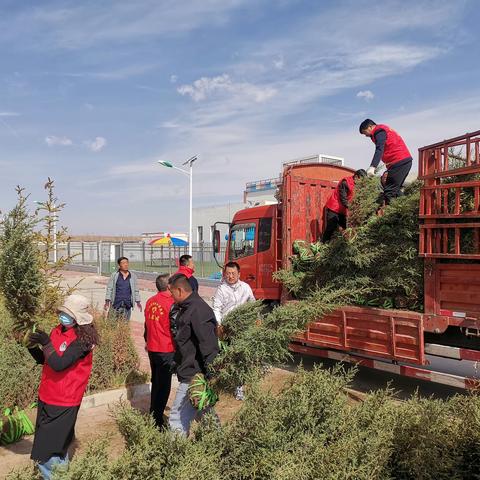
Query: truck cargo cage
<point x="450" y="198"/>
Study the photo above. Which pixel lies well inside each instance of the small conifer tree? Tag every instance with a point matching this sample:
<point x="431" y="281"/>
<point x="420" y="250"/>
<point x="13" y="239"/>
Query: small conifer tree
<point x="21" y="279"/>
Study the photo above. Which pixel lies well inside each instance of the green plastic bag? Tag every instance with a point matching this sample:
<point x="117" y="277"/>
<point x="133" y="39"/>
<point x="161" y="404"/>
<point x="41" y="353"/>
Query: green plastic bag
<point x="14" y="425"/>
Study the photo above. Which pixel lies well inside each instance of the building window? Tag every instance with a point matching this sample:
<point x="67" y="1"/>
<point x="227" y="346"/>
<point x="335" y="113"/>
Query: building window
<point x="212" y="233"/>
<point x="200" y="234"/>
<point x="242" y="241"/>
<point x="264" y="234"/>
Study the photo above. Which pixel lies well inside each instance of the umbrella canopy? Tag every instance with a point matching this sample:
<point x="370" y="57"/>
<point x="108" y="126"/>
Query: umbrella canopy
<point x="168" y="241"/>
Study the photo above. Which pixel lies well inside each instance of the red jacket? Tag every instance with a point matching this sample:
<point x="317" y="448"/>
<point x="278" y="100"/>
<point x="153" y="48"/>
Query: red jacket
<point x="187" y="271"/>
<point x="67" y="387"/>
<point x="334" y="203"/>
<point x="395" y="149"/>
<point x="157" y="323"/>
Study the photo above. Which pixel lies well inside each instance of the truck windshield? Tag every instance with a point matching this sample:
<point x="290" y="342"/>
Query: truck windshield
<point x="242" y="241"/>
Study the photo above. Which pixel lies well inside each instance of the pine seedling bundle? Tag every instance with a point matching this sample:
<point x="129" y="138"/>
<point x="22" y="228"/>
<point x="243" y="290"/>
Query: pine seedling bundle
<point x="378" y="255"/>
<point x="256" y="338"/>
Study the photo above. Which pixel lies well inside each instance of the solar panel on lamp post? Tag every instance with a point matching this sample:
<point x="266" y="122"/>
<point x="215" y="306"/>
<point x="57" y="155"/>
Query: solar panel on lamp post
<point x="188" y="172"/>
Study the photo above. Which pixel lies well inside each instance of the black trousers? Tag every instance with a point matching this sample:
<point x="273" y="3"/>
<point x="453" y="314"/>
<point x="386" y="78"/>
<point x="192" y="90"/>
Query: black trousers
<point x="54" y="431"/>
<point x="161" y="365"/>
<point x="333" y="221"/>
<point x="396" y="176"/>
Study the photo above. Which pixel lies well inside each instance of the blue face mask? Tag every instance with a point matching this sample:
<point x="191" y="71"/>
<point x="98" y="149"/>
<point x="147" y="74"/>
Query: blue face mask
<point x="65" y="319"/>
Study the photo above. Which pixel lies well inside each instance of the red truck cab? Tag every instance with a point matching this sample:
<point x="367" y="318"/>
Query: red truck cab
<point x="253" y="245"/>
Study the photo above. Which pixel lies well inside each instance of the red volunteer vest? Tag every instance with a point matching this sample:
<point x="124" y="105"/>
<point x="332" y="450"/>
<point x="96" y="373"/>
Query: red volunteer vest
<point x="184" y="270"/>
<point x="65" y="388"/>
<point x="395" y="148"/>
<point x="334" y="203"/>
<point x="157" y="321"/>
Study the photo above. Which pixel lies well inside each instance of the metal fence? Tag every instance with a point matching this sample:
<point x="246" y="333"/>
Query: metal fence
<point x="142" y="257"/>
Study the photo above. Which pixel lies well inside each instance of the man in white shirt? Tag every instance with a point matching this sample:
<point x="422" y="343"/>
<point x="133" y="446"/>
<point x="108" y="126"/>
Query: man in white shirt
<point x="231" y="293"/>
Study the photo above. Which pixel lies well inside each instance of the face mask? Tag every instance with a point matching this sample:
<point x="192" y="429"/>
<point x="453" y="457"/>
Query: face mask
<point x="66" y="320"/>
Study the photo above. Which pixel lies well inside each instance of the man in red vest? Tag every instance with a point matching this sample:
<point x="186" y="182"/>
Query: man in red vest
<point x="160" y="347"/>
<point x="336" y="208"/>
<point x="186" y="266"/>
<point x="391" y="149"/>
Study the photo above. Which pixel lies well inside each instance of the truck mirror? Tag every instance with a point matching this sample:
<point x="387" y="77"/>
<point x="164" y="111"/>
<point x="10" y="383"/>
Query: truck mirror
<point x="216" y="241"/>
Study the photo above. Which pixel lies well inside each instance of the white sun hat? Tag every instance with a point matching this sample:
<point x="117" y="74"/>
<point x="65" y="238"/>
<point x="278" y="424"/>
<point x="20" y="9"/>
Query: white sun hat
<point x="77" y="306"/>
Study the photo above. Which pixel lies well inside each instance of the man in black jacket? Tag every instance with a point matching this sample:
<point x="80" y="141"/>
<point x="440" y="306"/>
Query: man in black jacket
<point x="196" y="346"/>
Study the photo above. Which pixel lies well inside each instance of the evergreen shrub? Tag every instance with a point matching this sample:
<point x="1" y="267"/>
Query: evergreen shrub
<point x="310" y="430"/>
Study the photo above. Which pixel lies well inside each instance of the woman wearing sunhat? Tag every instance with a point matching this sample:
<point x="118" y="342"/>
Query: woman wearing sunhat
<point x="66" y="355"/>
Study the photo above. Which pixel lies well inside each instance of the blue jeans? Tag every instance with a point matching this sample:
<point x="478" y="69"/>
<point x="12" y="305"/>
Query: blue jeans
<point x="47" y="467"/>
<point x="183" y="413"/>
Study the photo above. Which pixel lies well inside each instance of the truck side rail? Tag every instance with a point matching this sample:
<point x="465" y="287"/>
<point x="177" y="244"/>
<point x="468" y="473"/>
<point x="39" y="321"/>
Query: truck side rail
<point x="450" y="198"/>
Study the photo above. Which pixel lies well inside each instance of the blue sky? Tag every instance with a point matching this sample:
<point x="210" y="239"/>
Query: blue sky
<point x="94" y="92"/>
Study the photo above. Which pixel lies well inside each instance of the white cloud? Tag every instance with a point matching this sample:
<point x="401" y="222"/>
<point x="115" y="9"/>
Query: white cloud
<point x="173" y="78"/>
<point x="9" y="114"/>
<point x="279" y="63"/>
<point x="145" y="167"/>
<point x="96" y="145"/>
<point x="114" y="74"/>
<point x="322" y="62"/>
<point x="79" y="25"/>
<point x="366" y="94"/>
<point x="169" y="125"/>
<point x="208" y="86"/>
<point x="53" y="140"/>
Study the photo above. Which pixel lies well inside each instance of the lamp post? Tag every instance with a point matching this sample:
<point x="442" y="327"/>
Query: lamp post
<point x="54" y="227"/>
<point x="188" y="172"/>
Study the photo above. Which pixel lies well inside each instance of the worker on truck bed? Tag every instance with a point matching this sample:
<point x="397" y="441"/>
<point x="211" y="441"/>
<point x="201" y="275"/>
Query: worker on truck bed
<point x="337" y="206"/>
<point x="391" y="149"/>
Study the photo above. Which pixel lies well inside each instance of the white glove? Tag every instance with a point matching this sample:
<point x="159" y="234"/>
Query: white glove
<point x="371" y="171"/>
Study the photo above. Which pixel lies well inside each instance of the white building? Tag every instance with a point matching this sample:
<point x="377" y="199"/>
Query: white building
<point x="204" y="219"/>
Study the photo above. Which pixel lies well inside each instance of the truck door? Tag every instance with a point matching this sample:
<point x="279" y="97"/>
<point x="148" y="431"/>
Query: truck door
<point x="242" y="249"/>
<point x="267" y="288"/>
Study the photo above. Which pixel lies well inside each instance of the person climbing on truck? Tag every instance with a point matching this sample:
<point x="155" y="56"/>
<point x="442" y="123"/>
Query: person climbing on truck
<point x="392" y="150"/>
<point x="336" y="208"/>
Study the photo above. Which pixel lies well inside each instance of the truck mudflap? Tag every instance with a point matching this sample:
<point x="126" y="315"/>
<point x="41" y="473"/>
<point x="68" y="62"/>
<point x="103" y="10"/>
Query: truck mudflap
<point x="393" y="335"/>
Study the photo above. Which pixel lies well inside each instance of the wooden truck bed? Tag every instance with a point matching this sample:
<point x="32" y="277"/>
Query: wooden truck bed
<point x="392" y="335"/>
<point x="449" y="243"/>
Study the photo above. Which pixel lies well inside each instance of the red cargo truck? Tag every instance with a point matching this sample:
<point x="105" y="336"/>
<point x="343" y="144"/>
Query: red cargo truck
<point x="397" y="341"/>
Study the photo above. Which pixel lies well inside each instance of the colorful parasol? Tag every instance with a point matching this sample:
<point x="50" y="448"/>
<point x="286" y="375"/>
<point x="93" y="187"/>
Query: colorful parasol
<point x="169" y="241"/>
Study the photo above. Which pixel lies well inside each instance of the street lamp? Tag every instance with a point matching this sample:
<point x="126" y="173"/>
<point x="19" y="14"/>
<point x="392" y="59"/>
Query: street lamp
<point x="54" y="227"/>
<point x="188" y="172"/>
